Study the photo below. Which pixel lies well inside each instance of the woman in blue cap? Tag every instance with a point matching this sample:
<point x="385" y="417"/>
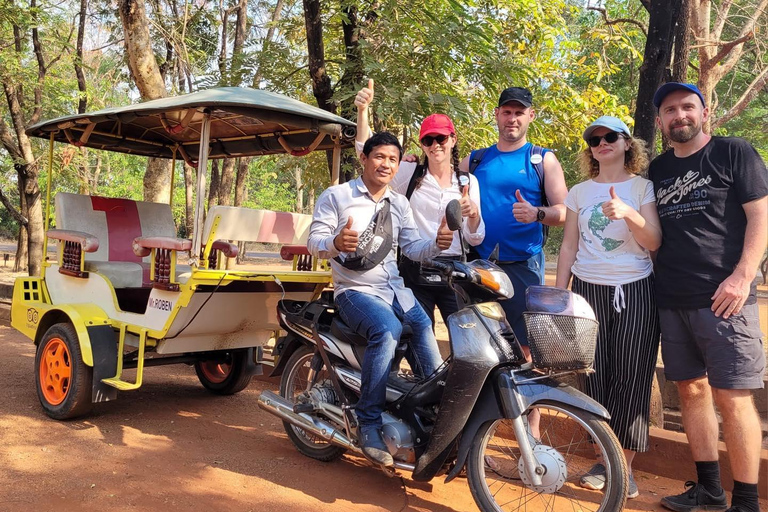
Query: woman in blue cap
<point x="610" y="229"/>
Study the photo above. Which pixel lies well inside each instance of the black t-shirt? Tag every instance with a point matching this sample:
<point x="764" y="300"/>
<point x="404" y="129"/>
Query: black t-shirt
<point x="699" y="199"/>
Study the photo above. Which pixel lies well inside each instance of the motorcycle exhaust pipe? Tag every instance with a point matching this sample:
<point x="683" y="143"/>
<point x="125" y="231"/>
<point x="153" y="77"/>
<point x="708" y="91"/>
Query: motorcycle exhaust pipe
<point x="283" y="409"/>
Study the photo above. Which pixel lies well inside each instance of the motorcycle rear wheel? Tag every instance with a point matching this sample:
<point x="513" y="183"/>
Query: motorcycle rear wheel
<point x="570" y="438"/>
<point x="293" y="383"/>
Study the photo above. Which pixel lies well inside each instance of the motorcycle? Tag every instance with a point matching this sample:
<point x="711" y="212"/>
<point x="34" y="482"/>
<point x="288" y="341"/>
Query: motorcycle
<point x="522" y="438"/>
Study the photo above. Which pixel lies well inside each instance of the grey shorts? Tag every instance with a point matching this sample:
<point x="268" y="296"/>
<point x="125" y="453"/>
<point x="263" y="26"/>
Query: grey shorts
<point x="694" y="343"/>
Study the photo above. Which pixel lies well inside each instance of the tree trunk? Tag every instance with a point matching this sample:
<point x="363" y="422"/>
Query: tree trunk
<point x="321" y="82"/>
<point x="29" y="190"/>
<point x="82" y="103"/>
<point x="22" y="247"/>
<point x="241" y="31"/>
<point x="213" y="189"/>
<point x="36" y="227"/>
<point x="190" y="176"/>
<point x="227" y="180"/>
<point x="682" y="43"/>
<point x="148" y="79"/>
<point x="157" y="180"/>
<point x="96" y="174"/>
<point x="311" y="200"/>
<point x="299" y="189"/>
<point x="257" y="76"/>
<point x="718" y="57"/>
<point x="241" y="190"/>
<point x="658" y="51"/>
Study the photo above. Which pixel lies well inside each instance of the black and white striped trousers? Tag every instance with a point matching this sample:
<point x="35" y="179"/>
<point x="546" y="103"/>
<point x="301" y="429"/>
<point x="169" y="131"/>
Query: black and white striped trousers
<point x="625" y="358"/>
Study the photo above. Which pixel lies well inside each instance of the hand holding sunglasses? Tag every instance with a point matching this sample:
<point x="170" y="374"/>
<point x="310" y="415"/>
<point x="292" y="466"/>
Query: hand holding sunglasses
<point x="609" y="137"/>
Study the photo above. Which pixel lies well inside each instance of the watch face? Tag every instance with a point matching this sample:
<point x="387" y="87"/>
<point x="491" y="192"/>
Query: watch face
<point x="540" y="214"/>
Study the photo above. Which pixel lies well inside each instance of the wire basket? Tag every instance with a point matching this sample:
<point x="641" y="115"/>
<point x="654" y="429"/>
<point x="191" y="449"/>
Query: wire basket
<point x="561" y="342"/>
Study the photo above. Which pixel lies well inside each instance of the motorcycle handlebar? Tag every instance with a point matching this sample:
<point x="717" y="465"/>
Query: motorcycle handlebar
<point x="439" y="265"/>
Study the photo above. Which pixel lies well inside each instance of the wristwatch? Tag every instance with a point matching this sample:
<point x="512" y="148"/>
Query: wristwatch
<point x="540" y="214"/>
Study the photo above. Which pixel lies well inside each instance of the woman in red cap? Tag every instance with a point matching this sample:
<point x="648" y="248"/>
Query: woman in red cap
<point x="430" y="186"/>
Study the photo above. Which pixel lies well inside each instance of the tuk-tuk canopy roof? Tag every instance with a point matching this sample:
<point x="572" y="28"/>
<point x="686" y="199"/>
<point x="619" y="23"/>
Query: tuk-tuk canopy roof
<point x="244" y="122"/>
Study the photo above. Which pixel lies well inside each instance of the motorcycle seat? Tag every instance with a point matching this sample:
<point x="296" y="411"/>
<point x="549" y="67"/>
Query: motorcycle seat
<point x="345" y="333"/>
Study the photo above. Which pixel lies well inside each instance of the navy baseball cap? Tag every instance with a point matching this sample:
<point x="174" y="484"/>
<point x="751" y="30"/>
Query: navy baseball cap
<point x="669" y="87"/>
<point x="519" y="94"/>
<point x="612" y="123"/>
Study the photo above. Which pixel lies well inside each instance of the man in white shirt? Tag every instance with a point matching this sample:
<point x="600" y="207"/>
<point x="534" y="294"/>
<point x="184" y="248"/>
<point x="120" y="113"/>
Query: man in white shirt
<point x="370" y="296"/>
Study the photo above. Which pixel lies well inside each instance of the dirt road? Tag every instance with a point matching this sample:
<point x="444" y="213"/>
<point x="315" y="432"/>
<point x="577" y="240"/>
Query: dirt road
<point x="171" y="446"/>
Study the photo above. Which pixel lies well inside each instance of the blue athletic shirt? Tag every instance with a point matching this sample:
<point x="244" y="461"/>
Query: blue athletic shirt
<point x="499" y="174"/>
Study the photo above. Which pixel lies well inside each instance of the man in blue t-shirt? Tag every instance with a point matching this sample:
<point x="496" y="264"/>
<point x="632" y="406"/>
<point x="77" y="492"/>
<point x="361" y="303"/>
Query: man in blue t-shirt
<point x="512" y="193"/>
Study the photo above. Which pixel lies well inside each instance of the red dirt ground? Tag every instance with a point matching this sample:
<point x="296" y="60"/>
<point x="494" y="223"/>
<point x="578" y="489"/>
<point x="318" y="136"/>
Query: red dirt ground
<point x="172" y="446"/>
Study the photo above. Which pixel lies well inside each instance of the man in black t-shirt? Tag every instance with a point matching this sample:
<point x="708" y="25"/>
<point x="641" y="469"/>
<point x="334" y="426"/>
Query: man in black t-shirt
<point x="712" y="199"/>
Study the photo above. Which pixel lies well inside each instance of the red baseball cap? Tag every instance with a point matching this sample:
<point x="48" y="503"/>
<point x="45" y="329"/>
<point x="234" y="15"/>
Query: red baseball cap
<point x="436" y="124"/>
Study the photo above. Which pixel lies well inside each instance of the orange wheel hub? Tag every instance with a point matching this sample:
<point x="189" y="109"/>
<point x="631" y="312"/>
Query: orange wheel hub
<point x="215" y="372"/>
<point x="55" y="371"/>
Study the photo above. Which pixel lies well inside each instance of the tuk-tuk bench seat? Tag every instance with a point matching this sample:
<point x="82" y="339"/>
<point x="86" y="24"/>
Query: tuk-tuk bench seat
<point x="299" y="254"/>
<point x="101" y="231"/>
<point x="250" y="225"/>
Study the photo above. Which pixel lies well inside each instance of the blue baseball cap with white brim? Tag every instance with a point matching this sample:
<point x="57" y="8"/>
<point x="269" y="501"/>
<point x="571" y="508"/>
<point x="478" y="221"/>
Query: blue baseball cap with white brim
<point x="612" y="123"/>
<point x="669" y="87"/>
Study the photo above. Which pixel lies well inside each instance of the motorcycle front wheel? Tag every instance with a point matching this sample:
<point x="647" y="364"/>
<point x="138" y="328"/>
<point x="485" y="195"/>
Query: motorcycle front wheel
<point x="292" y="384"/>
<point x="570" y="441"/>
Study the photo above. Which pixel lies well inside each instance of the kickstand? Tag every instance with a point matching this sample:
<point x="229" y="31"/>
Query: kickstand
<point x="389" y="471"/>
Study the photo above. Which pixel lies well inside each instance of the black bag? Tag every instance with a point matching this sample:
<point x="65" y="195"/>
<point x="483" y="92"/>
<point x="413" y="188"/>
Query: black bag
<point x="374" y="244"/>
<point x="414" y="274"/>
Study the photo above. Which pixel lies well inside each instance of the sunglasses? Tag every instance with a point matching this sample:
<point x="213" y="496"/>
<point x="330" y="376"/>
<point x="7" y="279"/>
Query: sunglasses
<point x="609" y="137"/>
<point x="427" y="140"/>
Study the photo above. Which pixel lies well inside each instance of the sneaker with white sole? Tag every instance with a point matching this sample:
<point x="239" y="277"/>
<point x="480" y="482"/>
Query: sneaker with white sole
<point x="594" y="479"/>
<point x="632" y="491"/>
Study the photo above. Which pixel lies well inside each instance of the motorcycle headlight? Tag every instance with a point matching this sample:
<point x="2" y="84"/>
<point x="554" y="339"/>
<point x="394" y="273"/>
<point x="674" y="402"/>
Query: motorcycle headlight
<point x="493" y="278"/>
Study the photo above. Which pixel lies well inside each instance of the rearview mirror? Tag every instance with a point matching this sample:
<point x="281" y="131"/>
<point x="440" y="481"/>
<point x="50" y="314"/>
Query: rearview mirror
<point x="453" y="215"/>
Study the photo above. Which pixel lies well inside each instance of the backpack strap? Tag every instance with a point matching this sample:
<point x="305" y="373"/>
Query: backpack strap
<point x="475" y="158"/>
<point x="417" y="173"/>
<point x="538" y="151"/>
<point x="538" y="164"/>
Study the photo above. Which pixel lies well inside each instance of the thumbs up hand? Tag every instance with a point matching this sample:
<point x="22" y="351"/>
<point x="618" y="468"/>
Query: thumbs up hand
<point x="524" y="211"/>
<point x="468" y="207"/>
<point x="444" y="236"/>
<point x="346" y="241"/>
<point x="365" y="96"/>
<point x="616" y="209"/>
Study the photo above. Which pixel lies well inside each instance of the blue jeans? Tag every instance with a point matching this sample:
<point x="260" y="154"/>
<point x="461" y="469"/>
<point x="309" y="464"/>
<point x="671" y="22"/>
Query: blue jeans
<point x="522" y="274"/>
<point x="382" y="325"/>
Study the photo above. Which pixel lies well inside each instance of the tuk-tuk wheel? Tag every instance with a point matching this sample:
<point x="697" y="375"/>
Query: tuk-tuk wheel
<point x="63" y="380"/>
<point x="226" y="375"/>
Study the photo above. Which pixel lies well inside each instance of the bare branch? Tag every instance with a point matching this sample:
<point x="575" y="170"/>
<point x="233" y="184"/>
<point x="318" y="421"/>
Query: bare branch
<point x="41" y="69"/>
<point x="289" y="75"/>
<point x="616" y="21"/>
<point x="757" y="85"/>
<point x="722" y="17"/>
<point x="12" y="210"/>
<point x="8" y="142"/>
<point x="726" y="47"/>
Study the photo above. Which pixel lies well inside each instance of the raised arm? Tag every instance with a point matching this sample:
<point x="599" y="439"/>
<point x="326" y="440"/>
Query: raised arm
<point x="643" y="224"/>
<point x="362" y="101"/>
